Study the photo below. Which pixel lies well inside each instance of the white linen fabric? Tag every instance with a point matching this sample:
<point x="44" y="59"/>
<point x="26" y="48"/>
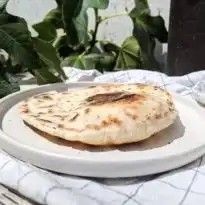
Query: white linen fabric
<point x="181" y="186"/>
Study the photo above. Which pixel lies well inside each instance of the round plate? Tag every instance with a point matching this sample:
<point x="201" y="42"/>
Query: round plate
<point x="173" y="147"/>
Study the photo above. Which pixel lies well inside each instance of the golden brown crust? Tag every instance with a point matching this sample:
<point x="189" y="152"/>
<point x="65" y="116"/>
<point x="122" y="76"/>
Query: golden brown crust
<point x="128" y="113"/>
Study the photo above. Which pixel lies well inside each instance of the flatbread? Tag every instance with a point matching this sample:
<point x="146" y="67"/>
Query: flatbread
<point x="101" y="115"/>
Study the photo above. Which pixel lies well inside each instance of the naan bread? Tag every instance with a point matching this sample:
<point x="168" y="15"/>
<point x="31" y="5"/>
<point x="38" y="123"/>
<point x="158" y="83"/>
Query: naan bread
<point x="101" y="115"/>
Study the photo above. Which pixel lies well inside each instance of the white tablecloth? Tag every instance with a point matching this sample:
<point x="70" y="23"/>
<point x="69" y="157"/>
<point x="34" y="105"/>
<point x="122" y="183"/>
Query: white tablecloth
<point x="182" y="186"/>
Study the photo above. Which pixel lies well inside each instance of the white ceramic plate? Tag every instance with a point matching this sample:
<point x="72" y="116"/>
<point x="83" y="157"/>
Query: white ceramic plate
<point x="178" y="145"/>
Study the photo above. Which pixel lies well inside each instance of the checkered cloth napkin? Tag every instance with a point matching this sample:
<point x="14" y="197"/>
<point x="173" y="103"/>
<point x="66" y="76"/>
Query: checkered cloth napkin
<point x="182" y="186"/>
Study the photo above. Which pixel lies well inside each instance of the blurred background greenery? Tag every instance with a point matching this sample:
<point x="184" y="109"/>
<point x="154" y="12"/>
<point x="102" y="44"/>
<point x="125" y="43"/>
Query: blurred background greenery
<point x="64" y="38"/>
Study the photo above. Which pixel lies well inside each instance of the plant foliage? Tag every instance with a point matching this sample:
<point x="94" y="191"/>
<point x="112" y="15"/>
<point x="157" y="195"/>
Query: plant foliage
<point x="76" y="45"/>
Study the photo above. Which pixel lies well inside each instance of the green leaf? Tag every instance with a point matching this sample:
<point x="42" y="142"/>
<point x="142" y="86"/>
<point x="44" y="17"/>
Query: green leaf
<point x="152" y="25"/>
<point x="146" y="29"/>
<point x="157" y="28"/>
<point x="109" y="47"/>
<point x="15" y="39"/>
<point x="54" y="17"/>
<point x="3" y="4"/>
<point x="128" y="55"/>
<point x="77" y="62"/>
<point x="61" y="46"/>
<point x="46" y="31"/>
<point x="76" y="20"/>
<point x="48" y="56"/>
<point x="142" y="7"/>
<point x="6" y="18"/>
<point x="100" y="62"/>
<point x="59" y="3"/>
<point x="14" y="69"/>
<point x="7" y="87"/>
<point x="43" y="76"/>
<point x="47" y="28"/>
<point x="147" y="44"/>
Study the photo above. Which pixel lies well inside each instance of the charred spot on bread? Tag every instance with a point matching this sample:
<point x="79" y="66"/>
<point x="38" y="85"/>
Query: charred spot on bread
<point x="87" y="110"/>
<point x="75" y="115"/>
<point x="113" y="97"/>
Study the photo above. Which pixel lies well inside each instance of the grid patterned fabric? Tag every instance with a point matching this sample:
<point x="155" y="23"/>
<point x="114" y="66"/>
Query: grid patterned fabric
<point x="183" y="186"/>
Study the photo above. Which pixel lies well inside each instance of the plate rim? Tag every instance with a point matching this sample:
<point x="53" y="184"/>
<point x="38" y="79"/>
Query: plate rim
<point x="13" y="143"/>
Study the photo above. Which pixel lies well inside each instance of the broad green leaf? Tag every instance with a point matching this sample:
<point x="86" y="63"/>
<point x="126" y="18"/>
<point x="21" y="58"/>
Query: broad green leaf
<point x="147" y="45"/>
<point x="146" y="29"/>
<point x="77" y="62"/>
<point x="153" y="25"/>
<point x="157" y="28"/>
<point x="43" y="76"/>
<point x="100" y="62"/>
<point x="76" y="20"/>
<point x="129" y="55"/>
<point x="46" y="31"/>
<point x="47" y="28"/>
<point x="6" y="18"/>
<point x="54" y="17"/>
<point x="15" y="39"/>
<point x="48" y="55"/>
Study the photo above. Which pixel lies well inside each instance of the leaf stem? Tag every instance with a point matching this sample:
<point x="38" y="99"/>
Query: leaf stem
<point x="94" y="36"/>
<point x="113" y="16"/>
<point x="97" y="22"/>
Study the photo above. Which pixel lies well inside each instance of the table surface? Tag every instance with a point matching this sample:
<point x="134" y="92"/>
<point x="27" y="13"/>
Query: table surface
<point x="9" y="197"/>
